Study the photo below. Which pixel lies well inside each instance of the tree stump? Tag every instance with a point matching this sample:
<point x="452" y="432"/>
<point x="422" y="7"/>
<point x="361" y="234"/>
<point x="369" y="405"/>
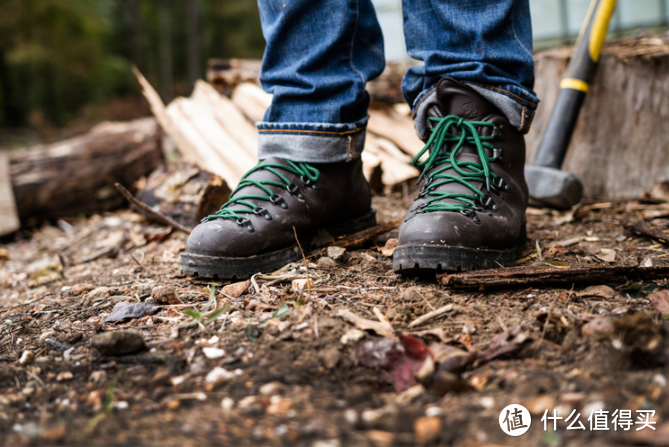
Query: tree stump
<point x="619" y="146"/>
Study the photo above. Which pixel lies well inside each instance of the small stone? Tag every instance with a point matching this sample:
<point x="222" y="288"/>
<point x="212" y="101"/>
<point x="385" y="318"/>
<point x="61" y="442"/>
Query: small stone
<point x="78" y="289"/>
<point x="217" y="377"/>
<point x="118" y="342"/>
<point x="572" y="398"/>
<point x="537" y="405"/>
<point x="27" y="358"/>
<point x="213" y="353"/>
<point x="99" y="293"/>
<point x="427" y="429"/>
<point x="279" y="406"/>
<point x="351" y="416"/>
<point x="236" y="290"/>
<point x="352" y="336"/>
<point x="64" y="376"/>
<point x="47" y="334"/>
<point x="227" y="404"/>
<point x="271" y="388"/>
<point x="380" y="438"/>
<point x="599" y="327"/>
<point x="336" y="253"/>
<point x="98" y="377"/>
<point x="326" y="443"/>
<point x="326" y="263"/>
<point x="4" y="254"/>
<point x="165" y="294"/>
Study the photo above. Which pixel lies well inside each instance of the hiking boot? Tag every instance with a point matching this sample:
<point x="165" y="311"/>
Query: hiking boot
<point x="470" y="212"/>
<point x="255" y="231"/>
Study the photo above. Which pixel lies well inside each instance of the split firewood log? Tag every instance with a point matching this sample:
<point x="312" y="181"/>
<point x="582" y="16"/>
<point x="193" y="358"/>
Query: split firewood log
<point x="184" y="192"/>
<point x="77" y="175"/>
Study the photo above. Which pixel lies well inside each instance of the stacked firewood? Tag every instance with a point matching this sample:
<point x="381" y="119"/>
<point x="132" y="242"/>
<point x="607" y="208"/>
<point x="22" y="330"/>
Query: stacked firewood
<point x="217" y="133"/>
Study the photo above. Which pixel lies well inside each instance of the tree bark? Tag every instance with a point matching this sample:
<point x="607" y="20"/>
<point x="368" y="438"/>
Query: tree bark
<point x="77" y="176"/>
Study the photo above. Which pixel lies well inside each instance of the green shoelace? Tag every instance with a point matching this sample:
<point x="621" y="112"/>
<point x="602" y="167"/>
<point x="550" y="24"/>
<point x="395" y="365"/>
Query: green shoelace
<point x="307" y="173"/>
<point x="440" y="161"/>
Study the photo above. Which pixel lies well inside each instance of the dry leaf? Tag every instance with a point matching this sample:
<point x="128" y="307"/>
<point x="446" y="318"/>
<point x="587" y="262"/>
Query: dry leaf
<point x="606" y="255"/>
<point x="660" y="300"/>
<point x="599" y="291"/>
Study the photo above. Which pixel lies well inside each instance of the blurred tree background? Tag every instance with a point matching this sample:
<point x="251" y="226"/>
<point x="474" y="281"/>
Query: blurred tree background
<point x="67" y="63"/>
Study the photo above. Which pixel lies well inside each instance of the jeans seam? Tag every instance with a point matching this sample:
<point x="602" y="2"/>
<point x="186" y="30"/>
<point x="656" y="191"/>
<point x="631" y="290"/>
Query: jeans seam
<point x="413" y="115"/>
<point x="347" y="132"/>
<point x="355" y="29"/>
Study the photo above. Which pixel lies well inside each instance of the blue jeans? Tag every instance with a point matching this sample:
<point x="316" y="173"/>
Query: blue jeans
<point x="321" y="53"/>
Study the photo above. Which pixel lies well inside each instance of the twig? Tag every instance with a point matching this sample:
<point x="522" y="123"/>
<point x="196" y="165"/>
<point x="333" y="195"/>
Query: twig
<point x="306" y="265"/>
<point x="431" y="315"/>
<point x="56" y="344"/>
<point x="382" y="318"/>
<point x="30" y="302"/>
<point x="150" y="211"/>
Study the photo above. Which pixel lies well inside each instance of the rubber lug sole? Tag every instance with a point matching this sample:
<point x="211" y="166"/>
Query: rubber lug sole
<point x="219" y="268"/>
<point x="430" y="259"/>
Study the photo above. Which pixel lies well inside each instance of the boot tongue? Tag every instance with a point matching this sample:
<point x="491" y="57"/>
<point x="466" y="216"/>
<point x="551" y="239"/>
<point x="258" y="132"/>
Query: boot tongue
<point x="463" y="101"/>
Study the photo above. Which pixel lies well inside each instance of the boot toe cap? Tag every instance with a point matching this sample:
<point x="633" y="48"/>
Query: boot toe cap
<point x="222" y="238"/>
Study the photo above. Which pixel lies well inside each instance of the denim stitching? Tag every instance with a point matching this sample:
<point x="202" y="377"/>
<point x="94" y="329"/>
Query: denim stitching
<point x="509" y="93"/>
<point x="413" y="115"/>
<point x="312" y="131"/>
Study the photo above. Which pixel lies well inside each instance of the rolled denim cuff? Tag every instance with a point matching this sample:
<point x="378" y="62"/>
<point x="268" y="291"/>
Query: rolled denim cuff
<point x="311" y="142"/>
<point x="517" y="109"/>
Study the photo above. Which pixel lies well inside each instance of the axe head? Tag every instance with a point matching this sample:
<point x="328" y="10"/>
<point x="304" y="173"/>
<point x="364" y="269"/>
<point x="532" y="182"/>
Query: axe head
<point x="552" y="187"/>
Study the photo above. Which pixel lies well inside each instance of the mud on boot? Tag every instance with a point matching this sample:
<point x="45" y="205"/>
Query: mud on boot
<point x="253" y="232"/>
<point x="470" y="212"/>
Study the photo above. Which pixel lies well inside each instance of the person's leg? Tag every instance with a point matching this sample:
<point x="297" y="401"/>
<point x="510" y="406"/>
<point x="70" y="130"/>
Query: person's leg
<point x="319" y="56"/>
<point x="472" y="102"/>
<point x="309" y="182"/>
<point x="486" y="44"/>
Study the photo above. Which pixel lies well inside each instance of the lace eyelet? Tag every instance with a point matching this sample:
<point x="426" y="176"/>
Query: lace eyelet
<point x="262" y="212"/>
<point x="472" y="215"/>
<point x="246" y="223"/>
<point x="295" y="191"/>
<point x="497" y="155"/>
<point x="308" y="182"/>
<point x="278" y="200"/>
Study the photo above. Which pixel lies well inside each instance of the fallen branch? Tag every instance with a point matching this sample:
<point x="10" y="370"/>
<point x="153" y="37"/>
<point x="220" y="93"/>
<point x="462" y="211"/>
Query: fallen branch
<point x="645" y="229"/>
<point x="431" y="315"/>
<point x="150" y="211"/>
<point x="523" y="276"/>
<point x="364" y="236"/>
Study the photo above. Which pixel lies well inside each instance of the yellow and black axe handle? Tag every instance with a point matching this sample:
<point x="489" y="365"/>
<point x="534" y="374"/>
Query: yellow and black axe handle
<point x="574" y="86"/>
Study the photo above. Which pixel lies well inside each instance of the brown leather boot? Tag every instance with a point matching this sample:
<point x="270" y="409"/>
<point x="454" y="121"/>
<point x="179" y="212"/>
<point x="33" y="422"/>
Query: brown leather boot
<point x="253" y="232"/>
<point x="470" y="212"/>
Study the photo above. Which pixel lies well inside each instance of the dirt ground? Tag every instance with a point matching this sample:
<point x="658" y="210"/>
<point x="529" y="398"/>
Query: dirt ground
<point x="282" y="363"/>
